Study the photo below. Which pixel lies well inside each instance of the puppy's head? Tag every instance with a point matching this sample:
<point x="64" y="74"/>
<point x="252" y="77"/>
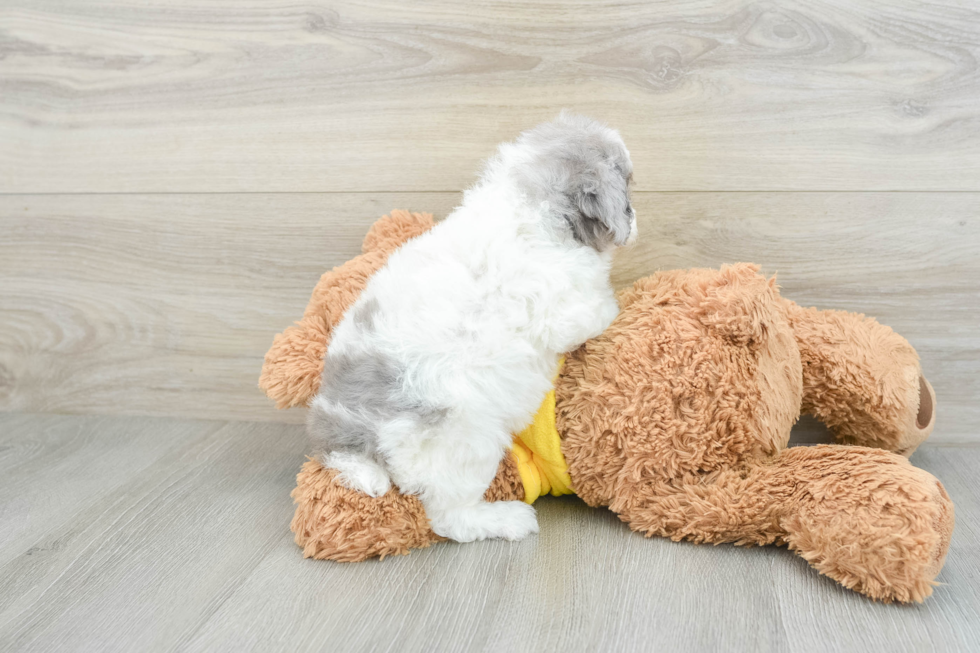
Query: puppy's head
<point x="581" y="171"/>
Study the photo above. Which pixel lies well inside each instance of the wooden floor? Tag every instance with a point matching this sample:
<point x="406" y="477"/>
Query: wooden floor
<point x="137" y="534"/>
<point x="174" y="177"/>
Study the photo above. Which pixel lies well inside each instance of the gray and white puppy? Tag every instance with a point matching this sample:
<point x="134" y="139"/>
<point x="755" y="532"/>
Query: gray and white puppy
<point x="454" y="342"/>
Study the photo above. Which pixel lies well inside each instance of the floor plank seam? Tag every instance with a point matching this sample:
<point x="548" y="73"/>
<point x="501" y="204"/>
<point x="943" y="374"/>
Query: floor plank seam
<point x="678" y="191"/>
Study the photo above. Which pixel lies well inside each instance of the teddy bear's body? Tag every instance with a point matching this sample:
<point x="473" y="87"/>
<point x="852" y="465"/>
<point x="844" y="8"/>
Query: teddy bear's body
<point x="677" y="419"/>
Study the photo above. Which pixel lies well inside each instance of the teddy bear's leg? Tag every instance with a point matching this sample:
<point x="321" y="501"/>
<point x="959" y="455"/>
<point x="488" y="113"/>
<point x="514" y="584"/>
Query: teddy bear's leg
<point x="868" y="519"/>
<point x="862" y="380"/>
<point x="333" y="522"/>
<point x="864" y="517"/>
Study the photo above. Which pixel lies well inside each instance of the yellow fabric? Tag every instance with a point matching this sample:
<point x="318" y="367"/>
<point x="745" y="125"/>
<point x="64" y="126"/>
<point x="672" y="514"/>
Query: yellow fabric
<point x="538" y="452"/>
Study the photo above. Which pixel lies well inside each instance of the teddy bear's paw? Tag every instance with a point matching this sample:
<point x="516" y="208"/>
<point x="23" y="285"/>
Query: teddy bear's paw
<point x="507" y="520"/>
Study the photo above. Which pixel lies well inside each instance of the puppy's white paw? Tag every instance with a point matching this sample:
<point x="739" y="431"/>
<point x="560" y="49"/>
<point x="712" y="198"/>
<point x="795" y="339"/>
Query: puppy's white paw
<point x="359" y="473"/>
<point x="508" y="520"/>
<point x="516" y="520"/>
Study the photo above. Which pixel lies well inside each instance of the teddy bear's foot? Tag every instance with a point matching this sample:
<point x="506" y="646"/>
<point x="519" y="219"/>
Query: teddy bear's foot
<point x="865" y="517"/>
<point x="862" y="380"/>
<point x="871" y="521"/>
<point x="918" y="431"/>
<point x="334" y="522"/>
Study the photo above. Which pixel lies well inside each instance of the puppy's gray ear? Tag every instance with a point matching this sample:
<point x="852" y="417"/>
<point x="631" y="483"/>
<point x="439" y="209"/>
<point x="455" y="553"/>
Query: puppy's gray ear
<point x="601" y="214"/>
<point x="581" y="171"/>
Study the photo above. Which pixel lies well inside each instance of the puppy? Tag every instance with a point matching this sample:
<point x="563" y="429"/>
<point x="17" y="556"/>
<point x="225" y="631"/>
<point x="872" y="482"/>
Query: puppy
<point x="453" y="344"/>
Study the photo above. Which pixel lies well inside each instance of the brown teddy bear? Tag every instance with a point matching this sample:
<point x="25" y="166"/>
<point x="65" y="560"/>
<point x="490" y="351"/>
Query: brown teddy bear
<point x="677" y="419"/>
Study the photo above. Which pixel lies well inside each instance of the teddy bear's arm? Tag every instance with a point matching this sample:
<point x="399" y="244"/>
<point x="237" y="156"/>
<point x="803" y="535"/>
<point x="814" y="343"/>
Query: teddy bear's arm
<point x="291" y="371"/>
<point x="862" y="380"/>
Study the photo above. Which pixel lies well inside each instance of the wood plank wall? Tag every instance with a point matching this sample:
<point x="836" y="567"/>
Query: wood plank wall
<point x="174" y="178"/>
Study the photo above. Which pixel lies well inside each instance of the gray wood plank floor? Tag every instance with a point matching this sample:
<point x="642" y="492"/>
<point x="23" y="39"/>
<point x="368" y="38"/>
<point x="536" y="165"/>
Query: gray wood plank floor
<point x="137" y="533"/>
<point x="373" y="95"/>
<point x="174" y="179"/>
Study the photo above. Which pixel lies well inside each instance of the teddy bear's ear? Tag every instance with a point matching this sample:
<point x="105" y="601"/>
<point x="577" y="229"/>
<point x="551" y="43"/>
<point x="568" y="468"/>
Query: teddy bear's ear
<point x="740" y="303"/>
<point x="391" y="231"/>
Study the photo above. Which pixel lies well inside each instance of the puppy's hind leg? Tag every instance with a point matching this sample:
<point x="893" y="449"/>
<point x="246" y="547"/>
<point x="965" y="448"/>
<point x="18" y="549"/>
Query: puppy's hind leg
<point x="345" y="442"/>
<point x="358" y="472"/>
<point x="451" y="474"/>
<point x="508" y="520"/>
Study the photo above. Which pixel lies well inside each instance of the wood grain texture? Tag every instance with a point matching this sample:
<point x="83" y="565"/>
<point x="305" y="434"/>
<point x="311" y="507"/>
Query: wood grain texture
<point x="166" y="304"/>
<point x="193" y="553"/>
<point x="51" y="469"/>
<point x="162" y="304"/>
<point x="376" y="95"/>
<point x="148" y="561"/>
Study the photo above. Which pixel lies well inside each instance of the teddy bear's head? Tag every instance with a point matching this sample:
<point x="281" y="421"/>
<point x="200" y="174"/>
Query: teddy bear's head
<point x="694" y="354"/>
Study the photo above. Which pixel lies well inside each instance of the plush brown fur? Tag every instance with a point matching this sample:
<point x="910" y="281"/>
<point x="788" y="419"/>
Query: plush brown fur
<point x="334" y="523"/>
<point x="862" y="380"/>
<point x="864" y="517"/>
<point x="677" y="418"/>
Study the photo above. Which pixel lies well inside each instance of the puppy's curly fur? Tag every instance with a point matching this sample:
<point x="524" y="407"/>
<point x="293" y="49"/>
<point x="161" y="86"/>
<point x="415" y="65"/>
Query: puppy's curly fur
<point x="454" y="342"/>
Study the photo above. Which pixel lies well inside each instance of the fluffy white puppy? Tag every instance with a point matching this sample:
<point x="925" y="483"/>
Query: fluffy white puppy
<point x="454" y="342"/>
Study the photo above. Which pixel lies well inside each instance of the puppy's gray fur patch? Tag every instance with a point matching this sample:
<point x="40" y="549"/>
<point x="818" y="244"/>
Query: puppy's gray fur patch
<point x="362" y="392"/>
<point x="365" y="312"/>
